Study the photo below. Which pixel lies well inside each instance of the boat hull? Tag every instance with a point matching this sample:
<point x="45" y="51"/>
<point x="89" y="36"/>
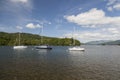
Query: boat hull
<point x="43" y="47"/>
<point x="76" y="49"/>
<point x="19" y="47"/>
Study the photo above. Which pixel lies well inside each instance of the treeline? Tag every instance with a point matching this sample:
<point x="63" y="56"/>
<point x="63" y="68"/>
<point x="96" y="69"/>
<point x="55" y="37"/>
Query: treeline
<point x="11" y="39"/>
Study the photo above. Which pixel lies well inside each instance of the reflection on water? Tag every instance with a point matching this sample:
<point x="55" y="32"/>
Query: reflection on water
<point x="16" y="51"/>
<point x="76" y="52"/>
<point x="43" y="51"/>
<point x="95" y="63"/>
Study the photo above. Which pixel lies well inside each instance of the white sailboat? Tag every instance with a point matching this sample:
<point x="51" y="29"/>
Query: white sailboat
<point x="19" y="46"/>
<point x="75" y="48"/>
<point x="43" y="46"/>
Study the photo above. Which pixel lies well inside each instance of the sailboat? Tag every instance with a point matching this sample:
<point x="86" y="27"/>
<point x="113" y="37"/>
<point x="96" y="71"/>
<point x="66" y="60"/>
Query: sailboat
<point x="19" y="46"/>
<point x="75" y="48"/>
<point x="43" y="46"/>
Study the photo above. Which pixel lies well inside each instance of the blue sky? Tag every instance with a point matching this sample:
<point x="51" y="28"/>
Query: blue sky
<point x="92" y="19"/>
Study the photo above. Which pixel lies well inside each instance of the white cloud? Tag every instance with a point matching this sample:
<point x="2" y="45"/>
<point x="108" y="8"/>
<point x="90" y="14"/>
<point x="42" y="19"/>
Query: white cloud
<point x="79" y="8"/>
<point x="110" y="8"/>
<point x="93" y="17"/>
<point x="19" y="27"/>
<point x="18" y="9"/>
<point x="117" y="6"/>
<point x="22" y="1"/>
<point x="33" y="26"/>
<point x="20" y="4"/>
<point x="85" y="36"/>
<point x="10" y="29"/>
<point x="112" y="30"/>
<point x="90" y="36"/>
<point x="113" y="5"/>
<point x="110" y="2"/>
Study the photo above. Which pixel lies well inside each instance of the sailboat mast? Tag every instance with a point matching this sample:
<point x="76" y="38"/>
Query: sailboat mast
<point x="19" y="38"/>
<point x="41" y="34"/>
<point x="73" y="36"/>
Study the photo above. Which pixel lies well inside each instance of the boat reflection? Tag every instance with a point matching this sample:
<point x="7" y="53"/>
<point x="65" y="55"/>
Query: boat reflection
<point x="43" y="51"/>
<point x="76" y="52"/>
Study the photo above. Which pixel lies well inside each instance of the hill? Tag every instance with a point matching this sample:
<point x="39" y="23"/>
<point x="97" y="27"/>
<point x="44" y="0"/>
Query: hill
<point x="104" y="42"/>
<point x="11" y="39"/>
<point x="97" y="42"/>
<point x="117" y="42"/>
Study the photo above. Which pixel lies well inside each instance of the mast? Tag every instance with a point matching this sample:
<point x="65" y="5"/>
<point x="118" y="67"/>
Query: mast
<point x="73" y="36"/>
<point x="41" y="35"/>
<point x="19" y="38"/>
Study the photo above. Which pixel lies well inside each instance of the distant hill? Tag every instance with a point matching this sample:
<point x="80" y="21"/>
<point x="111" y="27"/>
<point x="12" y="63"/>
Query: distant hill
<point x="97" y="42"/>
<point x="117" y="42"/>
<point x="33" y="39"/>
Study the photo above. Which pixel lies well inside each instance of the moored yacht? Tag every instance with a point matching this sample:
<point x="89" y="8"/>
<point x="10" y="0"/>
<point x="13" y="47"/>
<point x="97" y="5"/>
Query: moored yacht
<point x="19" y="46"/>
<point x="76" y="48"/>
<point x="43" y="47"/>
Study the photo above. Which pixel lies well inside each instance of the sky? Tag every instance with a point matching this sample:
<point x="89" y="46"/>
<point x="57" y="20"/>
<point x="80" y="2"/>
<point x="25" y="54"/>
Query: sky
<point x="86" y="20"/>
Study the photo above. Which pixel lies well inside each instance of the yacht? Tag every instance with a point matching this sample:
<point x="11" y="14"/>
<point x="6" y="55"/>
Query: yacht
<point x="75" y="48"/>
<point x="43" y="46"/>
<point x="19" y="46"/>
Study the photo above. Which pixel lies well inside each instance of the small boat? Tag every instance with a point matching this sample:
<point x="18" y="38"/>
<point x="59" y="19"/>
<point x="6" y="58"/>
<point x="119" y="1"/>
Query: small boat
<point x="19" y="46"/>
<point x="76" y="49"/>
<point x="43" y="47"/>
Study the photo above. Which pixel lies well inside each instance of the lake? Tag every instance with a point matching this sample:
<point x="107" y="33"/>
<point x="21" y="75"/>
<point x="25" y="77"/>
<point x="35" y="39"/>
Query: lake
<point x="95" y="63"/>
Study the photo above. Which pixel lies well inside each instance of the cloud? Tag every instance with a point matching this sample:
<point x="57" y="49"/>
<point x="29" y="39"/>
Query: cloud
<point x="117" y="6"/>
<point x="10" y="29"/>
<point x="85" y="36"/>
<point x="22" y="1"/>
<point x="26" y="4"/>
<point x="90" y="36"/>
<point x="17" y="10"/>
<point x="113" y="5"/>
<point x="93" y="17"/>
<point x="79" y="8"/>
<point x="19" y="27"/>
<point x="112" y="30"/>
<point x="111" y="2"/>
<point x="110" y="8"/>
<point x="33" y="26"/>
<point x="44" y="22"/>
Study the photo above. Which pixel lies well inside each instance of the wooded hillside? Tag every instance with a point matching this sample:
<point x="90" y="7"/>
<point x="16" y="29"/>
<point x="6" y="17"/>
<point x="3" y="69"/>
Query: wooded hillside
<point x="11" y="39"/>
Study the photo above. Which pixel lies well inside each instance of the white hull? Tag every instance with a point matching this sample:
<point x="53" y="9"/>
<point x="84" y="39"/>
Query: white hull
<point x="43" y="47"/>
<point x="19" y="47"/>
<point x="76" y="49"/>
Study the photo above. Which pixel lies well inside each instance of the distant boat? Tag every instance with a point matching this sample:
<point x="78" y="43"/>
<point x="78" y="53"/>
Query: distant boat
<point x="19" y="46"/>
<point x="43" y="46"/>
<point x="75" y="48"/>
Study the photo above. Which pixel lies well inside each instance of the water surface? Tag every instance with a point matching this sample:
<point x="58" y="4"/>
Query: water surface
<point x="95" y="63"/>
